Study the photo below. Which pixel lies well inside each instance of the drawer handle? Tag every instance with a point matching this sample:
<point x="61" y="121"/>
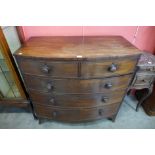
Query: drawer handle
<point x="100" y="112"/>
<point x="104" y="99"/>
<point x="55" y="114"/>
<point x="50" y="86"/>
<point x="108" y="85"/>
<point x="52" y="101"/>
<point x="112" y="68"/>
<point x="45" y="69"/>
<point x="144" y="80"/>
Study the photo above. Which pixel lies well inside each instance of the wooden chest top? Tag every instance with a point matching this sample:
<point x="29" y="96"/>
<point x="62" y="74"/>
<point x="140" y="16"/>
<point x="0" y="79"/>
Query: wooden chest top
<point x="76" y="47"/>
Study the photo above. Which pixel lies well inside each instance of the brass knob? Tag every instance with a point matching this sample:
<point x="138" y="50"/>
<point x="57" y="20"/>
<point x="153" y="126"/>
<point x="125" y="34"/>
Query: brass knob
<point x="45" y="69"/>
<point x="112" y="68"/>
<point x="104" y="99"/>
<point x="100" y="112"/>
<point x="52" y="100"/>
<point x="50" y="86"/>
<point x="108" y="85"/>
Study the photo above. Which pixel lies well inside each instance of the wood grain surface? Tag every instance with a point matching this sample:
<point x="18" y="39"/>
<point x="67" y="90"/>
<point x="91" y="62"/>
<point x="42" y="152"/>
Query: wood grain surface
<point x="77" y="47"/>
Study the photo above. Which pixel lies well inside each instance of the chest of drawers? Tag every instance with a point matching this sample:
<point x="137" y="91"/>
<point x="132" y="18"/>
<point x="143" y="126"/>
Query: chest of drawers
<point x="75" y="79"/>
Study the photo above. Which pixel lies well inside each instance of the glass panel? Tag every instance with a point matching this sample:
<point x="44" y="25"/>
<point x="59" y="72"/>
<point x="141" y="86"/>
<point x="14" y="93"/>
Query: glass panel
<point x="12" y="38"/>
<point x="11" y="35"/>
<point x="8" y="88"/>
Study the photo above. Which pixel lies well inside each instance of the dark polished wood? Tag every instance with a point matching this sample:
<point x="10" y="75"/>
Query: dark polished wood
<point x="69" y="69"/>
<point x="75" y="79"/>
<point x="149" y="104"/>
<point x="74" y="86"/>
<point x="76" y="100"/>
<point x="75" y="115"/>
<point x="75" y="47"/>
<point x="19" y="103"/>
<point x="109" y="67"/>
<point x="48" y="68"/>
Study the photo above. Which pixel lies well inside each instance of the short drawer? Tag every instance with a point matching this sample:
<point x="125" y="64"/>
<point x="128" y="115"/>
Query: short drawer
<point x="74" y="115"/>
<point x="72" y="86"/>
<point x="143" y="79"/>
<point x="76" y="100"/>
<point x="109" y="67"/>
<point x="48" y="68"/>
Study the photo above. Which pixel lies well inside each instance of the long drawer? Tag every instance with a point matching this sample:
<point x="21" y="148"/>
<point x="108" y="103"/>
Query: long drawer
<point x="77" y="100"/>
<point x="74" y="115"/>
<point x="61" y="69"/>
<point x="109" y="67"/>
<point x="77" y="85"/>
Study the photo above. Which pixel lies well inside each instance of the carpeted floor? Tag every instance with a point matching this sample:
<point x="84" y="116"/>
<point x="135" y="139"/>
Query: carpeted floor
<point x="127" y="118"/>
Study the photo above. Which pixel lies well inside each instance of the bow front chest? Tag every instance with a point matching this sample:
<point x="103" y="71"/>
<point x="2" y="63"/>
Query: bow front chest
<point x="75" y="79"/>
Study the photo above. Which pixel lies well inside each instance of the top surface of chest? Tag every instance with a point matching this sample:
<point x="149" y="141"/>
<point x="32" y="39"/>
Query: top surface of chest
<point x="75" y="47"/>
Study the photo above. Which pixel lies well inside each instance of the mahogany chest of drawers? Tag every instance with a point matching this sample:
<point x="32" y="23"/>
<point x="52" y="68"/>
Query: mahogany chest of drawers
<point x="75" y="79"/>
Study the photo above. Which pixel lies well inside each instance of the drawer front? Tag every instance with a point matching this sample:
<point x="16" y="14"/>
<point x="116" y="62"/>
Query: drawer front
<point x="146" y="68"/>
<point x="78" y="114"/>
<point x="143" y="79"/>
<point x="107" y="68"/>
<point x="47" y="68"/>
<point x="77" y="85"/>
<point x="77" y="100"/>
